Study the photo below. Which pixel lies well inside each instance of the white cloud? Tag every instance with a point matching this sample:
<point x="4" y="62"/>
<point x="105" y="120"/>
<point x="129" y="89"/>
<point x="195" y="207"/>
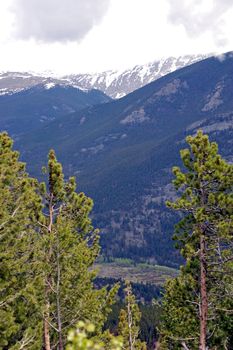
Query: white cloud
<point x="129" y="32"/>
<point x="200" y="16"/>
<point x="57" y="20"/>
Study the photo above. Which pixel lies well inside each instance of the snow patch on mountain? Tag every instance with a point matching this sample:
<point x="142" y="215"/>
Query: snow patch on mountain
<point x="49" y="86"/>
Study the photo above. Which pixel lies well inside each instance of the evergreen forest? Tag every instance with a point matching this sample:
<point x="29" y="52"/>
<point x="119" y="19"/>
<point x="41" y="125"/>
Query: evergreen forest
<point x="50" y="294"/>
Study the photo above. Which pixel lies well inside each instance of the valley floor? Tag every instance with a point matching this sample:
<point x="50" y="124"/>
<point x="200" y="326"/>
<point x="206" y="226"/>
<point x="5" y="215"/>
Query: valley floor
<point x="137" y="273"/>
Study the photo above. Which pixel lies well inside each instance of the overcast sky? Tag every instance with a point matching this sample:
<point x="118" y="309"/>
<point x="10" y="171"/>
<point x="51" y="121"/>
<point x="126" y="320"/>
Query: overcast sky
<point x="72" y="36"/>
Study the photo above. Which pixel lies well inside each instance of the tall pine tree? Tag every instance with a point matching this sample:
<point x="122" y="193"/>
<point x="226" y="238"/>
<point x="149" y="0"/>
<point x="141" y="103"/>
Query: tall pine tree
<point x="129" y="320"/>
<point x="48" y="247"/>
<point x="202" y="294"/>
<point x="20" y="285"/>
<point x="71" y="245"/>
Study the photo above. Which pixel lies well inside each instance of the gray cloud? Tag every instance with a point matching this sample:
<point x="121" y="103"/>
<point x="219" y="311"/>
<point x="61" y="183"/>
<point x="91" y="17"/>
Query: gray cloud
<point x="57" y="20"/>
<point x="196" y="22"/>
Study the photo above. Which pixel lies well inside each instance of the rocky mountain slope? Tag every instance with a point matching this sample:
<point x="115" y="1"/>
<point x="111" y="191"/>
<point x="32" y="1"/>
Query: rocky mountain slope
<point x="122" y="152"/>
<point x="113" y="83"/>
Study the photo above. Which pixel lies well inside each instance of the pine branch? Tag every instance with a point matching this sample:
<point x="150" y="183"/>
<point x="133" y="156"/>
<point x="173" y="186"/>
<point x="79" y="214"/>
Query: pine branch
<point x="11" y="216"/>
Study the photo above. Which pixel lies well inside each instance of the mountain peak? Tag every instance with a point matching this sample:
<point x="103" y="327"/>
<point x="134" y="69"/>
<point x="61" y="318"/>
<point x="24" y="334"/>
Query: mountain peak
<point x="117" y="84"/>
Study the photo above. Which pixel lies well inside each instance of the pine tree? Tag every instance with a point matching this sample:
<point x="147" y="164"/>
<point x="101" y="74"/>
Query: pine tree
<point x="129" y="319"/>
<point x="48" y="247"/>
<point x="205" y="240"/>
<point x="71" y="245"/>
<point x="180" y="318"/>
<point x="19" y="283"/>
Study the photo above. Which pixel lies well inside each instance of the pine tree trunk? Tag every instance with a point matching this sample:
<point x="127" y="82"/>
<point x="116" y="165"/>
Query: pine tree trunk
<point x="129" y="319"/>
<point x="46" y="329"/>
<point x="46" y="336"/>
<point x="60" y="345"/>
<point x="204" y="299"/>
<point x="47" y="284"/>
<point x="59" y="323"/>
<point x="130" y="326"/>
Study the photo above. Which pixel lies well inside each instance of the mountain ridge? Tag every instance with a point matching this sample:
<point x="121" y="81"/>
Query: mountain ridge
<point x="115" y="84"/>
<point x="27" y="109"/>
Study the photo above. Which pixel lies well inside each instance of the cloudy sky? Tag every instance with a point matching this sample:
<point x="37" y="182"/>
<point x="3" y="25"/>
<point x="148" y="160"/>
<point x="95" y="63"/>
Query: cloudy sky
<point x="72" y="36"/>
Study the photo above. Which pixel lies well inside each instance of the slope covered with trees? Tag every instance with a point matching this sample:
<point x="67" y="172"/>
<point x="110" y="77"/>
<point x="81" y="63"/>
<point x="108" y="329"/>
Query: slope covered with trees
<point x="27" y="110"/>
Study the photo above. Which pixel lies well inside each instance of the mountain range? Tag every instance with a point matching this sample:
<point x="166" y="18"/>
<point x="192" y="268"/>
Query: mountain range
<point x="115" y="84"/>
<point x="122" y="152"/>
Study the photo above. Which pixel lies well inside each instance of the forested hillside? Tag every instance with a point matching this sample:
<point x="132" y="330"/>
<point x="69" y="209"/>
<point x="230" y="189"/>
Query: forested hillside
<point x="30" y="108"/>
<point x="123" y="151"/>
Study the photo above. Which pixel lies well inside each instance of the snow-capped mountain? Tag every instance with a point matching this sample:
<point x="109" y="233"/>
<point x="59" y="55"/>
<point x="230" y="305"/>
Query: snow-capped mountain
<point x="115" y="84"/>
<point x="13" y="82"/>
